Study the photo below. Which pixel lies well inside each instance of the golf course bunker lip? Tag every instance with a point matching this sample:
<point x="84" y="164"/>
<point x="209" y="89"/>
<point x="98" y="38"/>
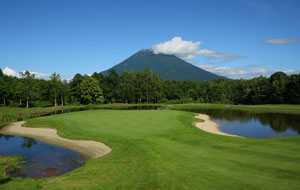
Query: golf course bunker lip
<point x="210" y="126"/>
<point x="88" y="149"/>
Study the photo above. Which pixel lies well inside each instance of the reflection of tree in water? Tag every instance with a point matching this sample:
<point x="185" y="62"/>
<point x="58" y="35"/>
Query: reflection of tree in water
<point x="6" y="137"/>
<point x="277" y="121"/>
<point x="28" y="142"/>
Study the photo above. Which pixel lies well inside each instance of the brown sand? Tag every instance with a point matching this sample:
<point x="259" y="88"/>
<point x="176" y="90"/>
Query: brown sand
<point x="210" y="126"/>
<point x="89" y="149"/>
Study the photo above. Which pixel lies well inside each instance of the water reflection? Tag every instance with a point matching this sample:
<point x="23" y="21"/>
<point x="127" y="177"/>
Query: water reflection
<point x="279" y="123"/>
<point x="27" y="142"/>
<point x="42" y="160"/>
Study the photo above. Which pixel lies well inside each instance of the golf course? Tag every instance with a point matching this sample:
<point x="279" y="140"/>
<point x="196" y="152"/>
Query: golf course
<point x="163" y="149"/>
<point x="149" y="95"/>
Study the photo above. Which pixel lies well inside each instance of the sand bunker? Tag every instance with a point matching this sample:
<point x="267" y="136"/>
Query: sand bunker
<point x="210" y="126"/>
<point x="89" y="149"/>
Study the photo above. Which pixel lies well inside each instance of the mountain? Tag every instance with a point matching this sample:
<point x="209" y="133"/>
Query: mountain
<point x="169" y="67"/>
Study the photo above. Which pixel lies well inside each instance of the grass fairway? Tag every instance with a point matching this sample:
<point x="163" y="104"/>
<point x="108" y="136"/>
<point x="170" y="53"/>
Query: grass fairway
<point x="161" y="149"/>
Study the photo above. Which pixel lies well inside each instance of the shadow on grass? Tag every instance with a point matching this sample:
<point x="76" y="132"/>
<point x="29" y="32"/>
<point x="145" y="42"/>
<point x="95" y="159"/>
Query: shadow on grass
<point x="5" y="180"/>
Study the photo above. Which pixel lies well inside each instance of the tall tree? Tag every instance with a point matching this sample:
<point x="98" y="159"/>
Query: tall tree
<point x="19" y="93"/>
<point x="28" y="81"/>
<point x="55" y="86"/>
<point x="74" y="87"/>
<point x="90" y="91"/>
<point x="63" y="88"/>
<point x="3" y="88"/>
<point x="127" y="86"/>
<point x="157" y="86"/>
<point x="111" y="86"/>
<point x="278" y="82"/>
<point x="293" y="90"/>
<point x="148" y="78"/>
<point x="139" y="87"/>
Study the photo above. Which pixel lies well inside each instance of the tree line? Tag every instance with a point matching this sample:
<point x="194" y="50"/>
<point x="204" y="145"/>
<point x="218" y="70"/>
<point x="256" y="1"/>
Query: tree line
<point x="144" y="87"/>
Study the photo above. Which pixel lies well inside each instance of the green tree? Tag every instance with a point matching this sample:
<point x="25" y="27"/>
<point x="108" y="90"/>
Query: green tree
<point x="293" y="90"/>
<point x="90" y="91"/>
<point x="127" y="86"/>
<point x="74" y="87"/>
<point x="111" y="86"/>
<point x="139" y="87"/>
<point x="19" y="93"/>
<point x="261" y="90"/>
<point x="3" y="88"/>
<point x="28" y="82"/>
<point x="55" y="86"/>
<point x="278" y="82"/>
<point x="157" y="88"/>
<point x="63" y="88"/>
<point x="148" y="79"/>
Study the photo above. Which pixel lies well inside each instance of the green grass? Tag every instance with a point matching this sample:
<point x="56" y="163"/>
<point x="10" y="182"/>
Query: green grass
<point x="12" y="114"/>
<point x="9" y="164"/>
<point x="274" y="108"/>
<point x="161" y="149"/>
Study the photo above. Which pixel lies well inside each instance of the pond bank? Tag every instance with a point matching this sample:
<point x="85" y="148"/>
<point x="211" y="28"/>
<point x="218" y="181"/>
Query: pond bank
<point x="210" y="126"/>
<point x="89" y="149"/>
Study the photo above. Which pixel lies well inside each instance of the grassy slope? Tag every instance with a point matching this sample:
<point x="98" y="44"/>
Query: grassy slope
<point x="163" y="150"/>
<point x="276" y="108"/>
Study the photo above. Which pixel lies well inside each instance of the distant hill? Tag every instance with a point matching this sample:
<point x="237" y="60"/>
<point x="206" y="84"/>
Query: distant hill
<point x="169" y="67"/>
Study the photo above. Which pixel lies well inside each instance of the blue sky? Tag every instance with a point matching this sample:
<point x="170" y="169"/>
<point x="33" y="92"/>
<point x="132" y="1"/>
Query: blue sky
<point x="236" y="38"/>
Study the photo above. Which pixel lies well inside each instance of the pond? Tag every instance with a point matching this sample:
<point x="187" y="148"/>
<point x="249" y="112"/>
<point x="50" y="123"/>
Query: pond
<point x="255" y="125"/>
<point x="42" y="160"/>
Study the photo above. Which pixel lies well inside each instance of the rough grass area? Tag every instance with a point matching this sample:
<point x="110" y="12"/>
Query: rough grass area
<point x="275" y="108"/>
<point x="161" y="149"/>
<point x="11" y="114"/>
<point x="9" y="164"/>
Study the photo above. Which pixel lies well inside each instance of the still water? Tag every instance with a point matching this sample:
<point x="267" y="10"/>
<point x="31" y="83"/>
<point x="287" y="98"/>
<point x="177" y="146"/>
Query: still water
<point x="42" y="160"/>
<point x="255" y="125"/>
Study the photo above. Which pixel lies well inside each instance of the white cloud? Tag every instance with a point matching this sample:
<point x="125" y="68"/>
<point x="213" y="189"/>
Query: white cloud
<point x="41" y="75"/>
<point x="290" y="72"/>
<point x="178" y="47"/>
<point x="276" y="41"/>
<point x="10" y="72"/>
<point x="226" y="57"/>
<point x="189" y="50"/>
<point x="246" y="72"/>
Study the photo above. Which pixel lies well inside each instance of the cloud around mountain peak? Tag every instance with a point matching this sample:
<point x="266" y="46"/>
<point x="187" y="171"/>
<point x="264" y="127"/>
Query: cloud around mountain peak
<point x="178" y="47"/>
<point x="188" y="50"/>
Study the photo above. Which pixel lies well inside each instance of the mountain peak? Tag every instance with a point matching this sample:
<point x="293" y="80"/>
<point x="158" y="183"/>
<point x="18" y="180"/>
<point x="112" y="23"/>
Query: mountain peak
<point x="169" y="67"/>
<point x="146" y="50"/>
